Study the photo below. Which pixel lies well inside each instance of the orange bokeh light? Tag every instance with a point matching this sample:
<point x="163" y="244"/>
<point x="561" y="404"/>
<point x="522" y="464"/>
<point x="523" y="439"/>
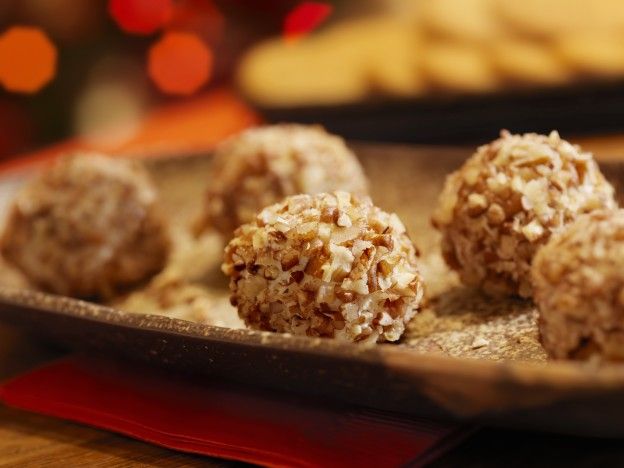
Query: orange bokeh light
<point x="180" y="63"/>
<point x="27" y="59"/>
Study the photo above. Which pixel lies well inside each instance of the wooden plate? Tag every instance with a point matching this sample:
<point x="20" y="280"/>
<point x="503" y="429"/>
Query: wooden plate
<point x="464" y="357"/>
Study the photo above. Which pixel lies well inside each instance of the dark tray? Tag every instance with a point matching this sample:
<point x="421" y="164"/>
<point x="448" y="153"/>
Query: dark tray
<point x="579" y="109"/>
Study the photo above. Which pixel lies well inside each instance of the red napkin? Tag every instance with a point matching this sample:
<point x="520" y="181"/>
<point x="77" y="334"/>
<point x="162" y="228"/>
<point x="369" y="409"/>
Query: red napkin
<point x="214" y="418"/>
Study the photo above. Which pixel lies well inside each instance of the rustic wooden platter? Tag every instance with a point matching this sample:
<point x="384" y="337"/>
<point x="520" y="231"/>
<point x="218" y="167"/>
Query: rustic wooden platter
<point x="464" y="357"/>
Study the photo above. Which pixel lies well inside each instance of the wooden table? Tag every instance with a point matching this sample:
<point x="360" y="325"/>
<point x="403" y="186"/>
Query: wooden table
<point x="32" y="440"/>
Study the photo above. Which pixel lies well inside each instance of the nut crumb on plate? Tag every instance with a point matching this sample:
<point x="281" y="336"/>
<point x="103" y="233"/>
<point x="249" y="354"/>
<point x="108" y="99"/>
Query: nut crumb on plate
<point x="479" y="342"/>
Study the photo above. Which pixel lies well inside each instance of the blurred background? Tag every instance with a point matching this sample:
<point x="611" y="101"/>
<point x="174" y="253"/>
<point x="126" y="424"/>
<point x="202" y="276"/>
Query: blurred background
<point x="428" y="71"/>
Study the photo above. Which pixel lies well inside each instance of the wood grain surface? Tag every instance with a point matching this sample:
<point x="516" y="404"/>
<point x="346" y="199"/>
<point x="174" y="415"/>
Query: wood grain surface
<point x="32" y="440"/>
<point x="29" y="440"/>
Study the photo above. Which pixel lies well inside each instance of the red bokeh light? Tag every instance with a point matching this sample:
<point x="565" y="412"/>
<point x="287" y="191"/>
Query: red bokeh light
<point x="200" y="16"/>
<point x="180" y="63"/>
<point x="304" y="18"/>
<point x="141" y="16"/>
<point x="27" y="59"/>
<point x="17" y="129"/>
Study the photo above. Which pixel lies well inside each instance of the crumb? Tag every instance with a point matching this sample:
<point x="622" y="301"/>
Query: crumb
<point x="479" y="342"/>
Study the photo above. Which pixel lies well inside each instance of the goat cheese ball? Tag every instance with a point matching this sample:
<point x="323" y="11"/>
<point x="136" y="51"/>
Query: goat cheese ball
<point x="329" y="265"/>
<point x="578" y="281"/>
<point x="506" y="201"/>
<point x="174" y="297"/>
<point x="88" y="226"/>
<point x="262" y="165"/>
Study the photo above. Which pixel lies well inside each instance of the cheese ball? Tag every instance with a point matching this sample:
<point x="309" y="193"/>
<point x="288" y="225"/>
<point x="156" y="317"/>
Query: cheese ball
<point x="505" y="202"/>
<point x="260" y="166"/>
<point x="329" y="265"/>
<point x="88" y="226"/>
<point x="578" y="281"/>
<point x="174" y="297"/>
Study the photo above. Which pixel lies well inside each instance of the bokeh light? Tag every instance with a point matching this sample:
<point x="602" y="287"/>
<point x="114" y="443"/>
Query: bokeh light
<point x="111" y="105"/>
<point x="27" y="59"/>
<point x="180" y="63"/>
<point x="304" y="18"/>
<point x="141" y="16"/>
<point x="200" y="16"/>
<point x="66" y="21"/>
<point x="16" y="127"/>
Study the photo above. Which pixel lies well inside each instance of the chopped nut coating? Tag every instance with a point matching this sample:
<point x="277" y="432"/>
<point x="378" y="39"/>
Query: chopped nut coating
<point x="89" y="226"/>
<point x="261" y="166"/>
<point x="578" y="281"/>
<point x="506" y="201"/>
<point x="351" y="276"/>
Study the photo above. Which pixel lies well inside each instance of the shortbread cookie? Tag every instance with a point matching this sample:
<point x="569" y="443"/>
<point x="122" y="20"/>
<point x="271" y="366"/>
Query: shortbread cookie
<point x="461" y="20"/>
<point x="551" y="18"/>
<point x="533" y="63"/>
<point x="596" y="54"/>
<point x="284" y="74"/>
<point x="457" y="67"/>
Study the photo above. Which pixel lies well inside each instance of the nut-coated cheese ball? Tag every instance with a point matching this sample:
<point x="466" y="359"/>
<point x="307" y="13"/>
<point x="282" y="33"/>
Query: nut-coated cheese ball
<point x="506" y="201"/>
<point x="329" y="265"/>
<point x="88" y="226"/>
<point x="177" y="298"/>
<point x="578" y="281"/>
<point x="260" y="166"/>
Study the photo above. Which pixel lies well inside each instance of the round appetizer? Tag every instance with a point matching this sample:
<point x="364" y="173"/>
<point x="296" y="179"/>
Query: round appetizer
<point x="174" y="297"/>
<point x="261" y="166"/>
<point x="329" y="265"/>
<point x="87" y="227"/>
<point x="578" y="281"/>
<point x="506" y="201"/>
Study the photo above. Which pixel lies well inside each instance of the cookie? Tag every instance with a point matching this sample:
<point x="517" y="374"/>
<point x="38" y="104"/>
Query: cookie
<point x="462" y="20"/>
<point x="554" y="17"/>
<point x="393" y="58"/>
<point x="528" y="62"/>
<point x="278" y="73"/>
<point x="594" y="54"/>
<point x="457" y="67"/>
